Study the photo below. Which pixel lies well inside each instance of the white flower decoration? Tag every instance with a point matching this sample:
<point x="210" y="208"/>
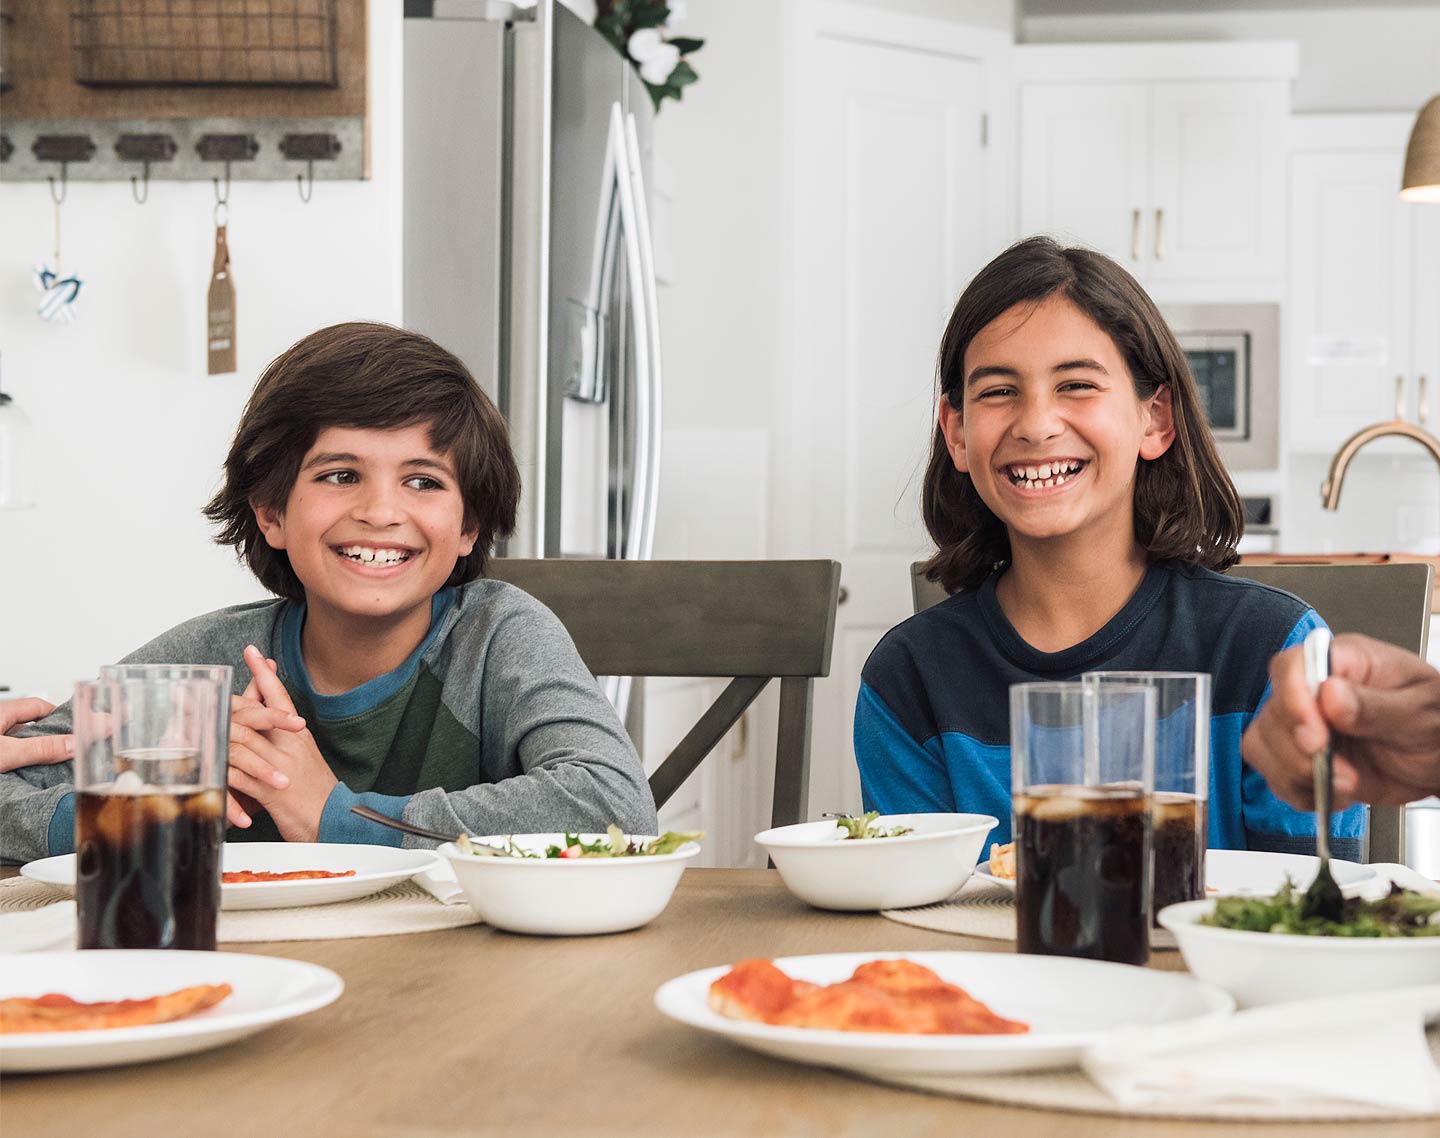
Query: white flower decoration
<point x="678" y="11"/>
<point x="656" y="70"/>
<point x="644" y="44"/>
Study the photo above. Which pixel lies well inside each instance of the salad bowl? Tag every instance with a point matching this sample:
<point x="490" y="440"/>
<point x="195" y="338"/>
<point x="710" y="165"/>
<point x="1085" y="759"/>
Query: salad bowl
<point x="526" y="883"/>
<point x="824" y="866"/>
<point x="1277" y="967"/>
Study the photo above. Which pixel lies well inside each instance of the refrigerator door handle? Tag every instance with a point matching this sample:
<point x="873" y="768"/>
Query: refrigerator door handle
<point x="631" y="227"/>
<point x="650" y="489"/>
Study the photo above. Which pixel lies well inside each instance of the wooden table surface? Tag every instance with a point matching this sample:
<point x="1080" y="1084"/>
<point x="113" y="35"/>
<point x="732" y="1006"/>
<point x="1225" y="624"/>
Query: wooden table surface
<point x="472" y="1031"/>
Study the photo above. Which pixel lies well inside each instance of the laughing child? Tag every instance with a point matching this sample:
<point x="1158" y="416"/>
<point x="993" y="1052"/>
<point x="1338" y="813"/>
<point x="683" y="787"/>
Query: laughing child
<point x="368" y="479"/>
<point x="1081" y="515"/>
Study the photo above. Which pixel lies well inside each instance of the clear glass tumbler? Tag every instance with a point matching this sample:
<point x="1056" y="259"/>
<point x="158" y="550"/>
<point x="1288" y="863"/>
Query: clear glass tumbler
<point x="1082" y="771"/>
<point x="1179" y="817"/>
<point x="151" y="742"/>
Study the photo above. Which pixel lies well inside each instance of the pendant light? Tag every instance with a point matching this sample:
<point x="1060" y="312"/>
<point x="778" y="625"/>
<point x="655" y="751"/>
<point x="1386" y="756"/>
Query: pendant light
<point x="15" y="456"/>
<point x="1421" y="182"/>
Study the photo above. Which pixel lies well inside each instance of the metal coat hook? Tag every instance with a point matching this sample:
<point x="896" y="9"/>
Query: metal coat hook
<point x="301" y="182"/>
<point x="137" y="183"/>
<point x="222" y="201"/>
<point x="59" y="199"/>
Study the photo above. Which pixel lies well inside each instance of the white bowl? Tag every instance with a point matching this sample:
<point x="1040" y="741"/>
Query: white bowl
<point x="822" y="867"/>
<point x="564" y="896"/>
<point x="1272" y="968"/>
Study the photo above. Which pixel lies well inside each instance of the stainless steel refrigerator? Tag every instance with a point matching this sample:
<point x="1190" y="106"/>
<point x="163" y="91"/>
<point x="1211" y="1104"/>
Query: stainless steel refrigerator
<point x="528" y="254"/>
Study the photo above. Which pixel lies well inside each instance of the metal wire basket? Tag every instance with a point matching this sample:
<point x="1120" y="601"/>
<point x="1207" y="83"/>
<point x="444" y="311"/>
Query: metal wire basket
<point x="165" y="43"/>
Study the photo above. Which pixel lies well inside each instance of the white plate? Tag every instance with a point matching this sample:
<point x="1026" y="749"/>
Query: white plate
<point x="376" y="867"/>
<point x="982" y="871"/>
<point x="1069" y="1005"/>
<point x="1246" y="871"/>
<point x="268" y="989"/>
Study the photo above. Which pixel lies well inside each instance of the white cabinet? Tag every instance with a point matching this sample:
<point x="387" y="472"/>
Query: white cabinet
<point x="1364" y="285"/>
<point x="1178" y="173"/>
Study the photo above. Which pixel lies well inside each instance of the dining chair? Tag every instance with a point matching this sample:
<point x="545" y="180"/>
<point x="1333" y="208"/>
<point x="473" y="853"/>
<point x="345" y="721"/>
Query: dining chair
<point x="1390" y="602"/>
<point x="751" y="621"/>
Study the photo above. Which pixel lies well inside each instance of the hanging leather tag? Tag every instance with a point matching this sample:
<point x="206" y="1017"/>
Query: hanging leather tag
<point x="220" y="319"/>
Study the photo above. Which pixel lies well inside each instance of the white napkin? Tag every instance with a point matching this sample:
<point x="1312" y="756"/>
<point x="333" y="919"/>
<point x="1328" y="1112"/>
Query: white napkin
<point x="1367" y="1048"/>
<point x="39" y="930"/>
<point x="439" y="881"/>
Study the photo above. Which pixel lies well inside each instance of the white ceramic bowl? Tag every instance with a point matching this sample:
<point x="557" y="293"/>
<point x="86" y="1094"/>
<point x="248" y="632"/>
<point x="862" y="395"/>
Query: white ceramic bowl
<point x="828" y="871"/>
<point x="1272" y="968"/>
<point x="568" y="897"/>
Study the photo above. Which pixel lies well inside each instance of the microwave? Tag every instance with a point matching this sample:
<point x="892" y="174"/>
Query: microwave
<point x="1233" y="354"/>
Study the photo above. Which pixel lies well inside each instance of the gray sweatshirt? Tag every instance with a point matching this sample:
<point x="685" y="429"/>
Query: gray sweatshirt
<point x="493" y="726"/>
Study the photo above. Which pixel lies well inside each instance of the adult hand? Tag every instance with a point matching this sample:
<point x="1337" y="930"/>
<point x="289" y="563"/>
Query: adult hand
<point x="1379" y="711"/>
<point x="37" y="749"/>
<point x="279" y="766"/>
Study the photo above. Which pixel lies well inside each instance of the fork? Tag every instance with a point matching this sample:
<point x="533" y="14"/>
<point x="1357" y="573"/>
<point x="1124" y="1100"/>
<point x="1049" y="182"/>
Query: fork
<point x="1323" y="899"/>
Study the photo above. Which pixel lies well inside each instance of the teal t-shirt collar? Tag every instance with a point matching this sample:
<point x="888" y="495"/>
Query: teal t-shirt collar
<point x="372" y="693"/>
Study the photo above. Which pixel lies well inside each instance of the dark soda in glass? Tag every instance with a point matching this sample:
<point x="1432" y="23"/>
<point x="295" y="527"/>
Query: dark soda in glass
<point x="1082" y="872"/>
<point x="148" y="864"/>
<point x="1179" y="828"/>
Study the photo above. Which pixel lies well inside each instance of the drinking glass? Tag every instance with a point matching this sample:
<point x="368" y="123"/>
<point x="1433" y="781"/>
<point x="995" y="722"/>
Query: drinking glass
<point x="1082" y="771"/>
<point x="151" y="742"/>
<point x="1178" y="816"/>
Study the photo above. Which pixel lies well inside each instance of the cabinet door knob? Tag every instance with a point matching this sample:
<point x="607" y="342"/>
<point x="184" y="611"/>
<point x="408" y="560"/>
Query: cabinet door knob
<point x="1159" y="234"/>
<point x="1134" y="234"/>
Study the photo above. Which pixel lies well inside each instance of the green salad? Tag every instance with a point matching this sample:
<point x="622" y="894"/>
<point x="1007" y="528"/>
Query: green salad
<point x="1403" y="913"/>
<point x="865" y="827"/>
<point x="614" y="843"/>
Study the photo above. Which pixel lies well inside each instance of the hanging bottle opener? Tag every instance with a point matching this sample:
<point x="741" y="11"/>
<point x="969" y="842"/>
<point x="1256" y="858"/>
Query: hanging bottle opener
<point x="220" y="305"/>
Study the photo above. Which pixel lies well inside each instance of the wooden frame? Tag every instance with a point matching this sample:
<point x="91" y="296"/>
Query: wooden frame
<point x="753" y="621"/>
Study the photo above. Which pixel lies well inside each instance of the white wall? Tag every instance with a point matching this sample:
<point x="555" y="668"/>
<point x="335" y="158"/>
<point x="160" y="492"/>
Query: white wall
<point x="1365" y="58"/>
<point x="130" y="431"/>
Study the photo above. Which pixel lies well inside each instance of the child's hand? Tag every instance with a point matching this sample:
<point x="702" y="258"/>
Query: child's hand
<point x="37" y="749"/>
<point x="274" y="759"/>
<point x="249" y="717"/>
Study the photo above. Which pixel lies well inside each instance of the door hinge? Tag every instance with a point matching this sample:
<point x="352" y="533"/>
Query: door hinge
<point x="984" y="129"/>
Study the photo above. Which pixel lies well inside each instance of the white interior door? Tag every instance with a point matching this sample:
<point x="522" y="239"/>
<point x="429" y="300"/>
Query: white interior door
<point x="890" y="224"/>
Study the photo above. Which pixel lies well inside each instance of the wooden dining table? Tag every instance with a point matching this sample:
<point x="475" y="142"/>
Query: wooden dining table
<point x="471" y="1031"/>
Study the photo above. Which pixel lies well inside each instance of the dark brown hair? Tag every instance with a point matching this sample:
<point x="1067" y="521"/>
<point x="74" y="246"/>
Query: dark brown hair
<point x="1186" y="507"/>
<point x="367" y="375"/>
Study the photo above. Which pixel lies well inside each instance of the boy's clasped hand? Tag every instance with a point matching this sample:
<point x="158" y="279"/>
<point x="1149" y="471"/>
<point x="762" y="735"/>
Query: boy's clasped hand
<point x="275" y="764"/>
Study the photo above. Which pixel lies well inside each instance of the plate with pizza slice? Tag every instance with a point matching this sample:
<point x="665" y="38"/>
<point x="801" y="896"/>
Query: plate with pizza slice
<point x="63" y="1011"/>
<point x="933" y="1013"/>
<point x="284" y="875"/>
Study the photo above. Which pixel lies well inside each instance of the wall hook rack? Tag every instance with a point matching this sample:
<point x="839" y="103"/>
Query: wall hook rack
<point x="309" y="148"/>
<point x="145" y="149"/>
<point x="64" y="149"/>
<point x="226" y="148"/>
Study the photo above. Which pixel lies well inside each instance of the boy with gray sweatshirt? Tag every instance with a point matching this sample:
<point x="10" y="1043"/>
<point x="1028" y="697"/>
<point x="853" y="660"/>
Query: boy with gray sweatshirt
<point x="368" y="478"/>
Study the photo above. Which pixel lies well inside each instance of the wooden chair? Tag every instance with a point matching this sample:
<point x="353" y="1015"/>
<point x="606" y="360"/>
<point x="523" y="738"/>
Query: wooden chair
<point x="1389" y="602"/>
<point x="753" y="621"/>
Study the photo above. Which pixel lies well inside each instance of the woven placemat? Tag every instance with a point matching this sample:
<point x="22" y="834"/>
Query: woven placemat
<point x="1073" y="1091"/>
<point x="982" y="909"/>
<point x="404" y="907"/>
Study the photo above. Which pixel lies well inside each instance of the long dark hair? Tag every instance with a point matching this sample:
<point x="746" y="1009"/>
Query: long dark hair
<point x="1186" y="507"/>
<point x="369" y="375"/>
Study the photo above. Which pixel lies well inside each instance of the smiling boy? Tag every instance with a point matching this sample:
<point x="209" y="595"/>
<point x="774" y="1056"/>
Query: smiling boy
<point x="367" y="481"/>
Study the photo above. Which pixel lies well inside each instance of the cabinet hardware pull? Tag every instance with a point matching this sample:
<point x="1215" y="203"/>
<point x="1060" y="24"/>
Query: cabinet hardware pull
<point x="1134" y="234"/>
<point x="1159" y="234"/>
<point x="1400" y="397"/>
<point x="1422" y="405"/>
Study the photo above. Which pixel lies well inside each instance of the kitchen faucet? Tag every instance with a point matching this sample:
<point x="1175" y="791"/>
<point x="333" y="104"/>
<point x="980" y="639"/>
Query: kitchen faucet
<point x="1397" y="427"/>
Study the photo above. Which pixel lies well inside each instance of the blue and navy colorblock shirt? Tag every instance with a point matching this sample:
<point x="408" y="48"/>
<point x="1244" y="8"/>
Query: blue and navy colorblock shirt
<point x="932" y="723"/>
